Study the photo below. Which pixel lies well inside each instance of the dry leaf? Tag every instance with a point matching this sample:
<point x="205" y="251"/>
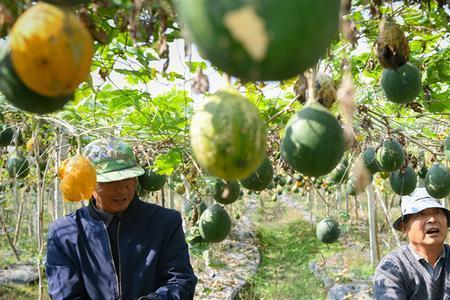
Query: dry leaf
<point x="345" y="95"/>
<point x="349" y="31"/>
<point x="361" y="175"/>
<point x="6" y="18"/>
<point x="392" y="45"/>
<point x="200" y="82"/>
<point x="325" y="90"/>
<point x="300" y="87"/>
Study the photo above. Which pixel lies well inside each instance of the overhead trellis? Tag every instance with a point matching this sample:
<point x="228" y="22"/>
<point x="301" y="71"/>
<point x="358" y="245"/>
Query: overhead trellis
<point x="132" y="51"/>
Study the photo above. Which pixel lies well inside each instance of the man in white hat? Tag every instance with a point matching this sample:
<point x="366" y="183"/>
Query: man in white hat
<point x="420" y="269"/>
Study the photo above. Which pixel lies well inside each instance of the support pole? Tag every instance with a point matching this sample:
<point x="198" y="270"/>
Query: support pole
<point x="374" y="253"/>
<point x="388" y="218"/>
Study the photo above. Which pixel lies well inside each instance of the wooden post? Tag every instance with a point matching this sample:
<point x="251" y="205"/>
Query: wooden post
<point x="171" y="199"/>
<point x="40" y="188"/>
<point x="309" y="196"/>
<point x="339" y="198"/>
<point x="40" y="236"/>
<point x="10" y="241"/>
<point x="34" y="215"/>
<point x="29" y="215"/>
<point x="347" y="208"/>
<point x="388" y="218"/>
<point x="374" y="254"/>
<point x="56" y="195"/>
<point x="16" y="194"/>
<point x="328" y="210"/>
<point x="156" y="197"/>
<point x="19" y="216"/>
<point x="188" y="195"/>
<point x="361" y="209"/>
<point x="444" y="203"/>
<point x="163" y="200"/>
<point x="314" y="200"/>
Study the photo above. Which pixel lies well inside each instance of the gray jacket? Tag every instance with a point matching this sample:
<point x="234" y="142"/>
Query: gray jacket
<point x="400" y="275"/>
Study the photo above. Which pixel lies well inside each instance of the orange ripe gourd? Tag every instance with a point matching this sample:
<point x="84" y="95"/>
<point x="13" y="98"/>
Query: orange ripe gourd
<point x="30" y="144"/>
<point x="51" y="50"/>
<point x="78" y="179"/>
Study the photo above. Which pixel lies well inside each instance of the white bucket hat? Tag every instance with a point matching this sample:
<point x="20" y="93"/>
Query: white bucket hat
<point x="416" y="202"/>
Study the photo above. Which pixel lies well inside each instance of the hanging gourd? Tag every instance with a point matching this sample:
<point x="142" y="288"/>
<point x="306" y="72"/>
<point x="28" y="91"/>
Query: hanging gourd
<point x="78" y="179"/>
<point x="47" y="55"/>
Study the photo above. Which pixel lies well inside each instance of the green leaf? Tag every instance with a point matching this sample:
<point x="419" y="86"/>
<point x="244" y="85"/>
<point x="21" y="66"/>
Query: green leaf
<point x="193" y="65"/>
<point x="168" y="162"/>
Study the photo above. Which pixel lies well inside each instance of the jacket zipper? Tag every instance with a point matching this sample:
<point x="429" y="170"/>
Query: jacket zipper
<point x="120" y="271"/>
<point x="114" y="267"/>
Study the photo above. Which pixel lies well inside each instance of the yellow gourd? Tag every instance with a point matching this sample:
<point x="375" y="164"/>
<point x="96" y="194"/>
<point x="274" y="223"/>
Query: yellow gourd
<point x="78" y="179"/>
<point x="30" y="144"/>
<point x="51" y="50"/>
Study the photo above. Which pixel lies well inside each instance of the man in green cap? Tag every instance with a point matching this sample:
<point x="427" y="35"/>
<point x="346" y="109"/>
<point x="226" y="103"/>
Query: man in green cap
<point x="118" y="247"/>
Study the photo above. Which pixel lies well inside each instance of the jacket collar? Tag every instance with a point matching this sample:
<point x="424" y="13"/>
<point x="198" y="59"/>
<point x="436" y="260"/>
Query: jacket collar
<point x="101" y="215"/>
<point x="419" y="257"/>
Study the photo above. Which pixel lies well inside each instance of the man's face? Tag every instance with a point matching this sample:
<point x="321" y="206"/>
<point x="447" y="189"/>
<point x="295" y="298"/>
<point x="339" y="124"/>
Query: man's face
<point x="427" y="228"/>
<point x="115" y="196"/>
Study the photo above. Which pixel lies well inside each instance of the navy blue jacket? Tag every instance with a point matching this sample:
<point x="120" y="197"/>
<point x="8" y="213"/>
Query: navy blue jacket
<point x="153" y="256"/>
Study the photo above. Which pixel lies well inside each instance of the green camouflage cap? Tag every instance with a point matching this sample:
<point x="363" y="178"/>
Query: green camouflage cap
<point x="113" y="160"/>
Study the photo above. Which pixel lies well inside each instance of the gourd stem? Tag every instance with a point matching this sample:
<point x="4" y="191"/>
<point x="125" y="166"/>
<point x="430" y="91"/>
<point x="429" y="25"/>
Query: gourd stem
<point x="227" y="80"/>
<point x="79" y="145"/>
<point x="311" y="79"/>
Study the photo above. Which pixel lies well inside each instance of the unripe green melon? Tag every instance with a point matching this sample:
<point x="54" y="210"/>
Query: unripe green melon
<point x="152" y="181"/>
<point x="299" y="177"/>
<point x="327" y="230"/>
<point x="228" y="137"/>
<point x="290" y="180"/>
<point x="423" y="171"/>
<point x="194" y="208"/>
<point x="214" y="224"/>
<point x="314" y="141"/>
<point x="261" y="40"/>
<point x="447" y="147"/>
<point x="340" y="173"/>
<point x="276" y="178"/>
<point x="180" y="188"/>
<point x="261" y="178"/>
<point x="403" y="182"/>
<point x="226" y="192"/>
<point x="17" y="166"/>
<point x="6" y="135"/>
<point x="201" y="207"/>
<point x="384" y="174"/>
<point x="391" y="155"/>
<point x="370" y="161"/>
<point x="437" y="181"/>
<point x="193" y="236"/>
<point x="403" y="84"/>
